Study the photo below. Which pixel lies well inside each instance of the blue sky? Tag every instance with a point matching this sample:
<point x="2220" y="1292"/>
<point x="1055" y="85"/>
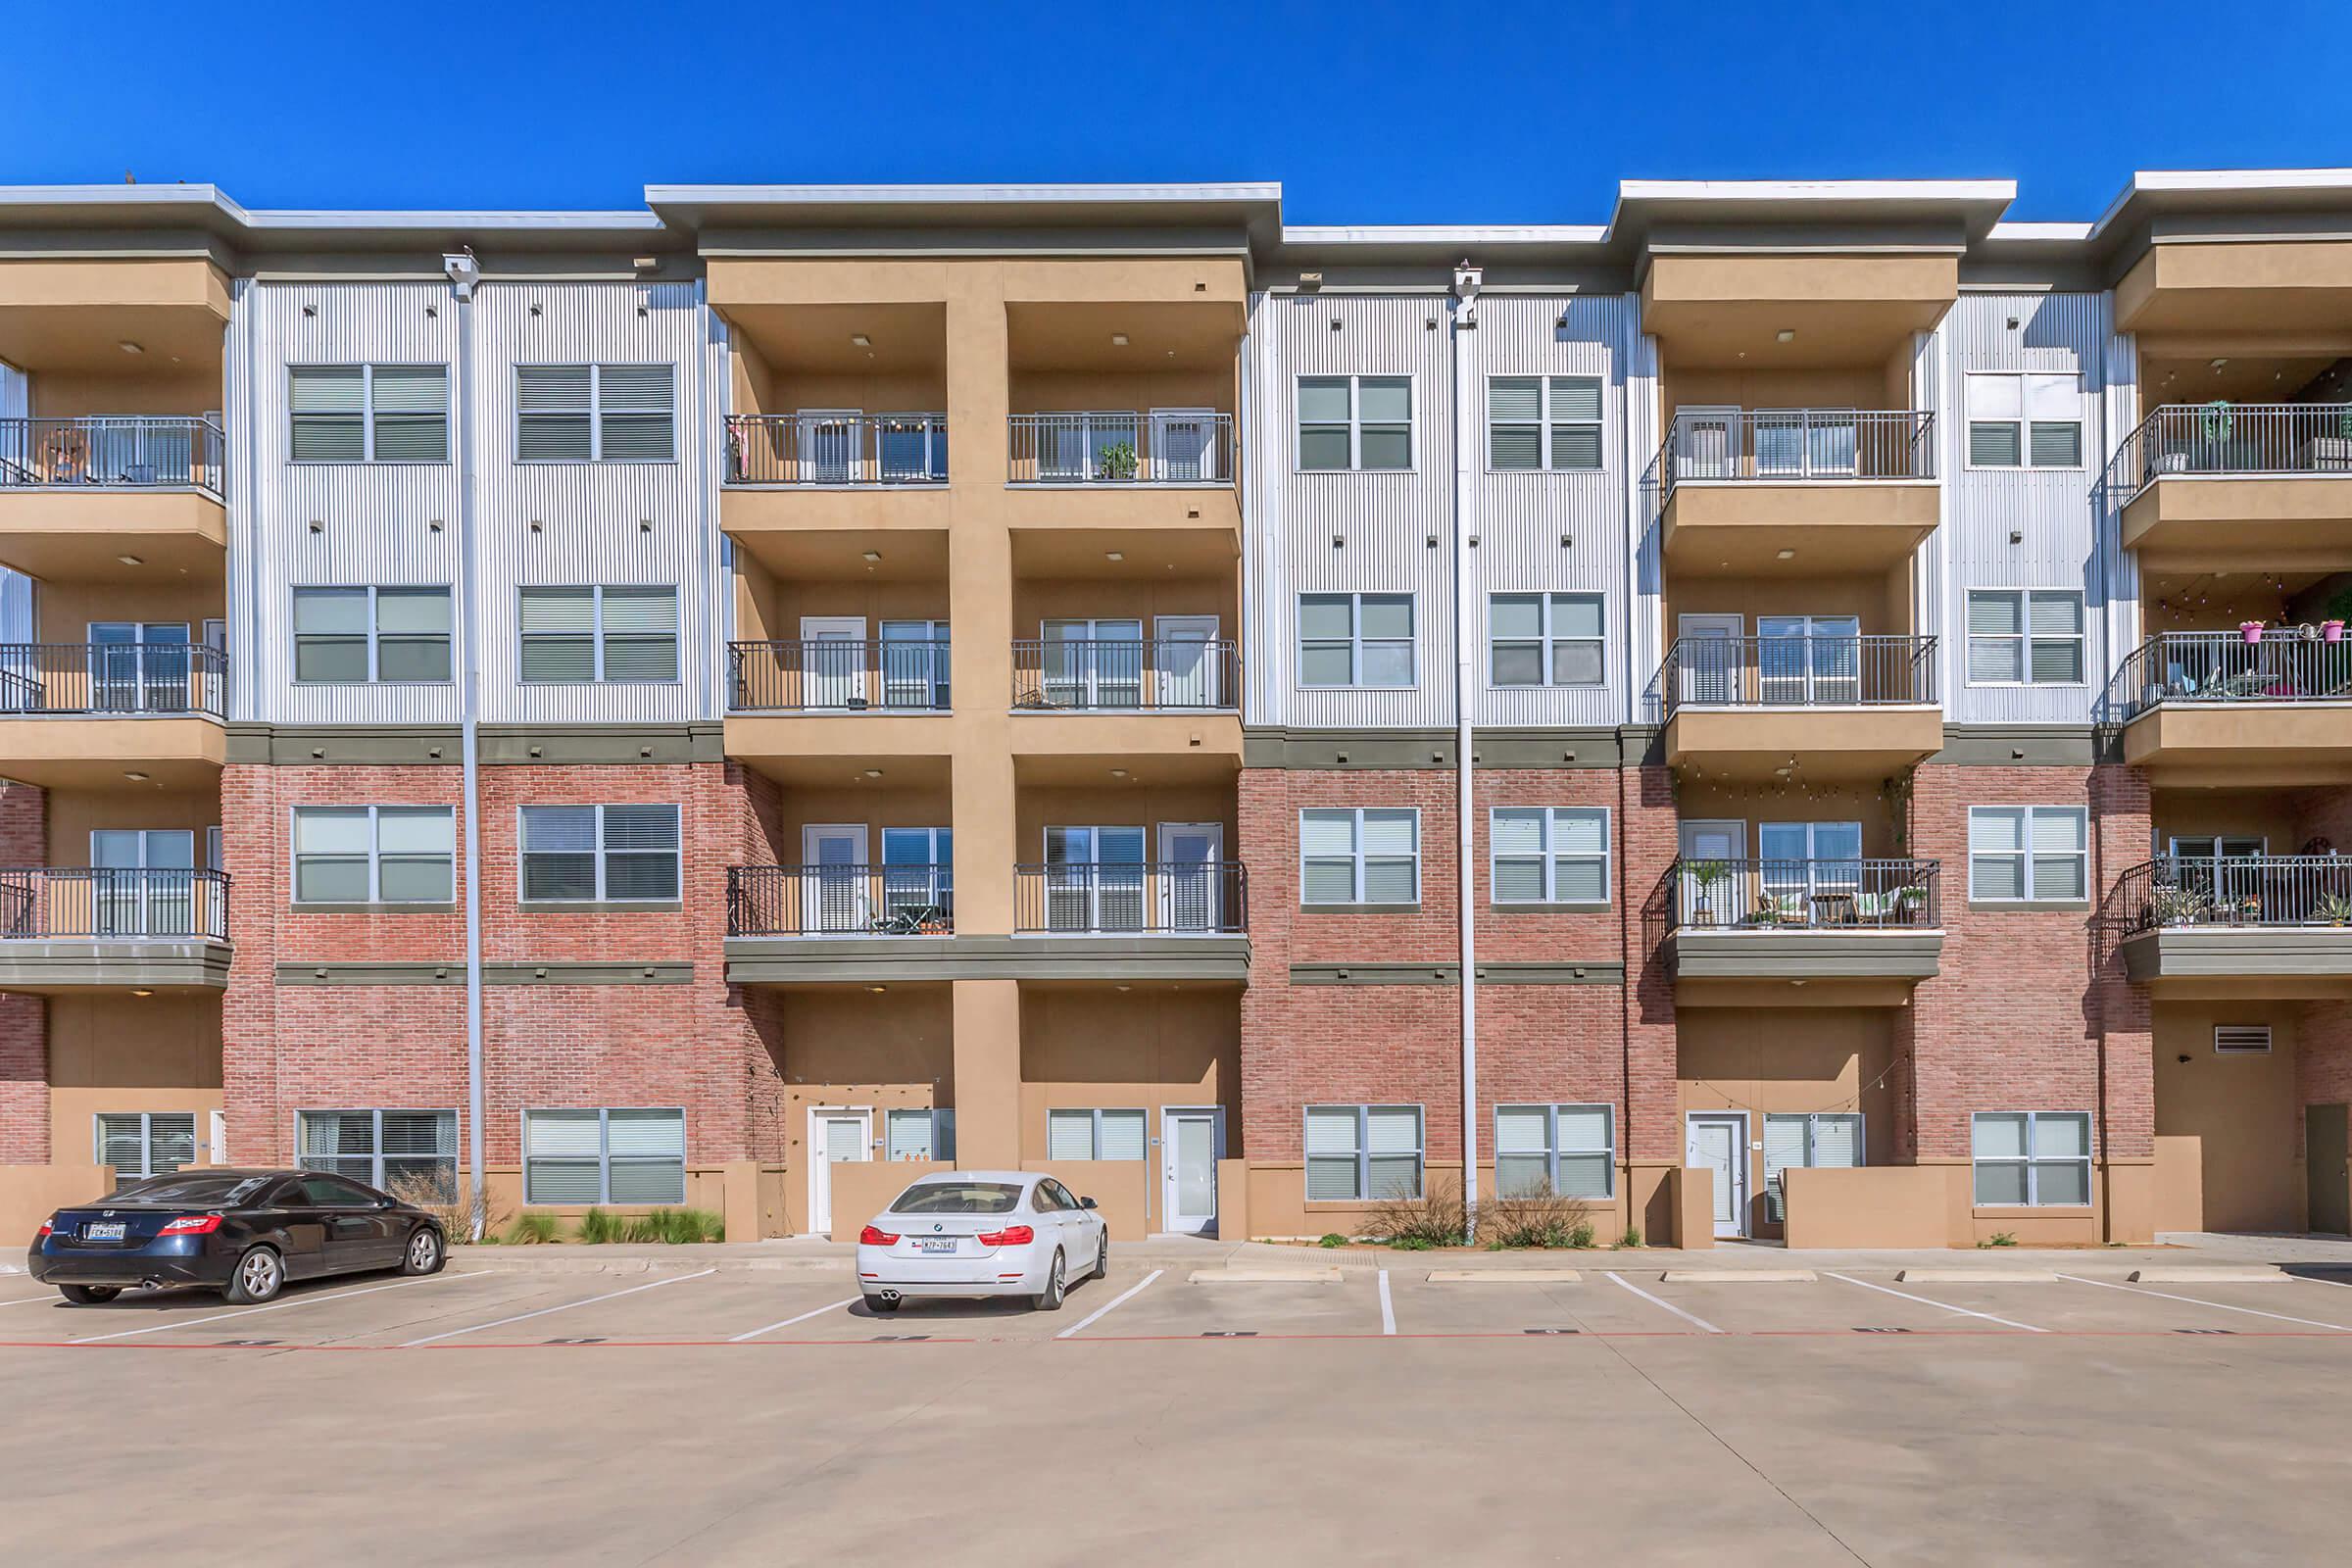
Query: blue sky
<point x="1485" y="113"/>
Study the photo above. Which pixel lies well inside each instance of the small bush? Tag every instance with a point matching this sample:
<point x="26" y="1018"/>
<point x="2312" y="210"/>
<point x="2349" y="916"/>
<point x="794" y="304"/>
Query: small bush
<point x="683" y="1227"/>
<point x="642" y="1228"/>
<point x="1630" y="1238"/>
<point x="1332" y="1239"/>
<point x="461" y="1210"/>
<point x="1413" y="1244"/>
<point x="532" y="1228"/>
<point x="1534" y="1217"/>
<point x="1434" y="1219"/>
<point x="598" y="1227"/>
<point x="2000" y="1239"/>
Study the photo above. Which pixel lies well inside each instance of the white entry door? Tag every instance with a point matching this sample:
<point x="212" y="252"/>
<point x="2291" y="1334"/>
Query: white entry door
<point x="1191" y="891"/>
<point x="833" y="878"/>
<point x="1709" y="674"/>
<point x="1713" y="887"/>
<point x="1191" y="1144"/>
<point x="832" y="660"/>
<point x="1718" y="1145"/>
<point x="1184" y="446"/>
<point x="835" y="1138"/>
<point x="829" y="445"/>
<point x="1186" y="660"/>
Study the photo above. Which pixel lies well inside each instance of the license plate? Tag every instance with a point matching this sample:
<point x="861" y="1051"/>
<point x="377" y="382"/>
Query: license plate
<point x="945" y="1243"/>
<point x="103" y="1229"/>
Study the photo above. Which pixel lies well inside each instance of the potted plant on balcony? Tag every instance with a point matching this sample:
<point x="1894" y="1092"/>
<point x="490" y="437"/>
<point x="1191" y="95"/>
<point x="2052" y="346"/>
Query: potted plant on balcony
<point x="2214" y="426"/>
<point x="2333" y="909"/>
<point x="2250" y="630"/>
<point x="2173" y="905"/>
<point x="1707" y="874"/>
<point x="1117" y="461"/>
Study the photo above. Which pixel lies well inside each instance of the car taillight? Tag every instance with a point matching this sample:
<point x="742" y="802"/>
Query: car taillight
<point x="1009" y="1236"/>
<point x="191" y="1225"/>
<point x="45" y="1230"/>
<point x="871" y="1236"/>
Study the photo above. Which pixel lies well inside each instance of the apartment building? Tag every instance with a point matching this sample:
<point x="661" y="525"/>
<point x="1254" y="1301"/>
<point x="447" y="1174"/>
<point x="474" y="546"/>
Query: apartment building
<point x="1790" y="715"/>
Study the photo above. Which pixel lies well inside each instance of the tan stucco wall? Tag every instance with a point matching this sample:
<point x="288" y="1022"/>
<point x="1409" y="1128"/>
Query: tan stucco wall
<point x="1788" y="1060"/>
<point x="2241" y="1109"/>
<point x="74" y="814"/>
<point x="30" y="1194"/>
<point x="1877" y="1206"/>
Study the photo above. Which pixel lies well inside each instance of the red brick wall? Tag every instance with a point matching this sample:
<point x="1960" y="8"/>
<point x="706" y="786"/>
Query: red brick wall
<point x="24" y="1035"/>
<point x="2324" y="1054"/>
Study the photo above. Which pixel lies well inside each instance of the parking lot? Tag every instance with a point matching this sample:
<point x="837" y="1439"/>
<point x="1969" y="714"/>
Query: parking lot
<point x="698" y="1413"/>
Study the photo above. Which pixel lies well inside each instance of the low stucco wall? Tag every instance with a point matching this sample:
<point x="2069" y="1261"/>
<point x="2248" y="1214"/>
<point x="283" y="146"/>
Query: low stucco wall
<point x="1120" y="1189"/>
<point x="863" y="1188"/>
<point x="1870" y="1206"/>
<point x="2179" y="1183"/>
<point x="1692" y="1193"/>
<point x="30" y="1194"/>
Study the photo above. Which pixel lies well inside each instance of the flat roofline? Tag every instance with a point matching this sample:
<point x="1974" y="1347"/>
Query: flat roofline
<point x="957" y="195"/>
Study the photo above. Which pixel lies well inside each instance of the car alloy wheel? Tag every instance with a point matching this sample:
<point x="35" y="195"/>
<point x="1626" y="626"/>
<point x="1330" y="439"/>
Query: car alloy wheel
<point x="1050" y="1299"/>
<point x="1101" y="1255"/>
<point x="90" y="1295"/>
<point x="425" y="1253"/>
<point x="258" y="1277"/>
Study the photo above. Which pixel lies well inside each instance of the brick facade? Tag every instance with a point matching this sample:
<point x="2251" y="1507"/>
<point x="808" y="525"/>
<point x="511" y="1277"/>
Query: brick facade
<point x="23" y="1020"/>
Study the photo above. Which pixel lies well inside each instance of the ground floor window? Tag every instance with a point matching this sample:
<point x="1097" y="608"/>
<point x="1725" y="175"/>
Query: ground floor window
<point x="143" y="1143"/>
<point x="2033" y="1157"/>
<point x="1095" y="1135"/>
<point x="413" y="1154"/>
<point x="1567" y="1149"/>
<point x="1814" y="1140"/>
<point x="1362" y="1153"/>
<point x="921" y="1133"/>
<point x="603" y="1157"/>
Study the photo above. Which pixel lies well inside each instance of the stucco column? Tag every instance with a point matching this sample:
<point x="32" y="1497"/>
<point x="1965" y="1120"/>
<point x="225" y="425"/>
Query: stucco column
<point x="980" y="609"/>
<point x="988" y="1074"/>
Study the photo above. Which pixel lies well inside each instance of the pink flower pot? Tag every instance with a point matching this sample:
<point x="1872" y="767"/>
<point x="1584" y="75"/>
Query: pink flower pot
<point x="2251" y="630"/>
<point x="2332" y="631"/>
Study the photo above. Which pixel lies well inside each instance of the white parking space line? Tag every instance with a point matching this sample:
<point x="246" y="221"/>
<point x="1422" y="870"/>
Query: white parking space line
<point x="2219" y="1307"/>
<point x="829" y="1306"/>
<point x="1688" y="1317"/>
<point x="521" y="1317"/>
<point x="1125" y="1296"/>
<point x="1387" y="1308"/>
<point x="1964" y="1312"/>
<point x="28" y="1300"/>
<point x="277" y="1306"/>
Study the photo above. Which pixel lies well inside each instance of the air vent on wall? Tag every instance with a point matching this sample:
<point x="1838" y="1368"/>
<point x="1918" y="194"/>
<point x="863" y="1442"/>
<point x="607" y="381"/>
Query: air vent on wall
<point x="2241" y="1039"/>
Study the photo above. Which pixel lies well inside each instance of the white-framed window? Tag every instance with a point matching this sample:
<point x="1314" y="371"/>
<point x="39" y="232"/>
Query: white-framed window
<point x="375" y="853"/>
<point x="2031" y="1158"/>
<point x="2025" y="419"/>
<point x="1570" y="1150"/>
<point x="2022" y="853"/>
<point x="1363" y="1154"/>
<point x="579" y="635"/>
<point x="599" y="854"/>
<point x="1356" y="640"/>
<point x="1544" y="421"/>
<point x="1810" y="1140"/>
<point x="387" y="1150"/>
<point x="359" y="636"/>
<point x="368" y="413"/>
<point x="1360" y="854"/>
<point x="603" y="1157"/>
<point x="2025" y="637"/>
<point x="595" y="412"/>
<point x="1549" y="853"/>
<point x="1073" y="1134"/>
<point x="1362" y="422"/>
<point x="922" y="1132"/>
<point x="1544" y="640"/>
<point x="144" y="1143"/>
<point x="915" y="663"/>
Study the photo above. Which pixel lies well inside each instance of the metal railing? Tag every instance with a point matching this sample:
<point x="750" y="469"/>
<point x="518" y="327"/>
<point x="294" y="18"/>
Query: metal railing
<point x="837" y="449"/>
<point x="1785" y="446"/>
<point x="1121" y="447"/>
<point x="825" y="900"/>
<point x="113" y="679"/>
<point x="2287" y="665"/>
<point x="2244" y="438"/>
<point x="824" y="675"/>
<point x="1803" y="895"/>
<point x="1109" y="675"/>
<point x="129" y="450"/>
<point x="1199" y="897"/>
<point x="2248" y="890"/>
<point x="1796" y="673"/>
<point x="118" y="904"/>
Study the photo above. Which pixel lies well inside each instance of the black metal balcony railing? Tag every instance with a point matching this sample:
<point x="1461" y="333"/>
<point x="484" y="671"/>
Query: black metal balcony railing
<point x="116" y="904"/>
<point x="1200" y="897"/>
<point x="2232" y="438"/>
<point x="1790" y="446"/>
<point x="813" y="901"/>
<point x="121" y="450"/>
<point x="826" y="450"/>
<point x="1797" y="672"/>
<point x="111" y="678"/>
<point x="1121" y="447"/>
<point x="1107" y="674"/>
<point x="2243" y="890"/>
<point x="2217" y="667"/>
<point x="1802" y="895"/>
<point x="829" y="676"/>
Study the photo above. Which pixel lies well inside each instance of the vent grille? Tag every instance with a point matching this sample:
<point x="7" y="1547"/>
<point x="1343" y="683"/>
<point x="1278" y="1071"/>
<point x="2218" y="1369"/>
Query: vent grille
<point x="2241" y="1039"/>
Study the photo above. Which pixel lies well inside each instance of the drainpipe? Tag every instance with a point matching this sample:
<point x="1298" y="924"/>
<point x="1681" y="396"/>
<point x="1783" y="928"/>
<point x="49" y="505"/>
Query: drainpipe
<point x="464" y="273"/>
<point x="1467" y="280"/>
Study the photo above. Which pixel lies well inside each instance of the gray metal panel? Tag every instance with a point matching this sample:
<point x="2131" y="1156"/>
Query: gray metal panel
<point x="2193" y="953"/>
<point x="70" y="964"/>
<point x="1806" y="955"/>
<point x="757" y="960"/>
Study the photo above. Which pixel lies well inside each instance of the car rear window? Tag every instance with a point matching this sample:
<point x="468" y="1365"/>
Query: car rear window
<point x="192" y="1191"/>
<point x="957" y="1197"/>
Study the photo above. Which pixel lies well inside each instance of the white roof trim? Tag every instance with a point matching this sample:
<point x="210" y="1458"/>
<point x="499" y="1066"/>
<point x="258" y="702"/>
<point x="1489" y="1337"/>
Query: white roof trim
<point x="1443" y="234"/>
<point x="916" y="195"/>
<point x="2051" y="233"/>
<point x="1822" y="190"/>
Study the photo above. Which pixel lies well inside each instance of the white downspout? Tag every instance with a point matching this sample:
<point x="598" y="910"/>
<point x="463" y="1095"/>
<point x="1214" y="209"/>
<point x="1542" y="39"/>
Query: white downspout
<point x="464" y="273"/>
<point x="1467" y="280"/>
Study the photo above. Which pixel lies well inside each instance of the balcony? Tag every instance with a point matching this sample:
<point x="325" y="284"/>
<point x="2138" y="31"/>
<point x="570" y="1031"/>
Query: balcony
<point x="838" y="675"/>
<point x="1758" y="706"/>
<point x="841" y="900"/>
<point x="1191" y="899"/>
<point x="1802" y="920"/>
<point x="2270" y="925"/>
<point x="1794" y="492"/>
<point x="2234" y="486"/>
<point x="870" y="473"/>
<point x="77" y="927"/>
<point x="96" y="716"/>
<point x="2209" y="706"/>
<point x="1098" y="675"/>
<point x="76" y="495"/>
<point x="1107" y="471"/>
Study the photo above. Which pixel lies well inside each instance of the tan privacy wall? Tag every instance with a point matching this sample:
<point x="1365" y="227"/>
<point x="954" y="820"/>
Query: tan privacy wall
<point x="1693" y="1207"/>
<point x="30" y="1194"/>
<point x="1874" y="1205"/>
<point x="1119" y="1187"/>
<point x="2179" y="1183"/>
<point x="863" y="1189"/>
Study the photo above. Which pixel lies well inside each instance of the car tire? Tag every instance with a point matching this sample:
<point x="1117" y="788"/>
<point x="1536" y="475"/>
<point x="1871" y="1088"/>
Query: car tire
<point x="90" y="1295"/>
<point x="1101" y="1255"/>
<point x="258" y="1277"/>
<point x="884" y="1304"/>
<point x="425" y="1254"/>
<point x="1049" y="1300"/>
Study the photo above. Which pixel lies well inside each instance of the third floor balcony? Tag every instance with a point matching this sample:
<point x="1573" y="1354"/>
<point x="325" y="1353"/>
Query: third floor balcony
<point x="2234" y="486"/>
<point x="104" y="715"/>
<point x="1801" y="920"/>
<point x="1183" y="448"/>
<point x="1125" y="673"/>
<point x="2270" y="705"/>
<point x="1834" y="705"/>
<point x="145" y="928"/>
<point x="2236" y="925"/>
<point x="84" y="497"/>
<point x="1794" y="492"/>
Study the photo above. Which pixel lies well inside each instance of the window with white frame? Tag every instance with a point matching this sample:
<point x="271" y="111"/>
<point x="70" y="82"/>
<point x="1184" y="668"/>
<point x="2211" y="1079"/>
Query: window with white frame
<point x="1356" y="640"/>
<point x="921" y="1133"/>
<point x="2025" y="419"/>
<point x="1073" y="1134"/>
<point x="1569" y="1150"/>
<point x="1544" y="640"/>
<point x="407" y="1153"/>
<point x="368" y="413"/>
<point x="1356" y="422"/>
<point x="145" y="1143"/>
<point x="1360" y="854"/>
<point x="356" y="636"/>
<point x="1820" y="1140"/>
<point x="595" y="412"/>
<point x="1549" y="853"/>
<point x="375" y="853"/>
<point x="2024" y="853"/>
<point x="578" y="635"/>
<point x="599" y="854"/>
<point x="2025" y="637"/>
<point x="2031" y="1158"/>
<point x="1363" y="1154"/>
<point x="603" y="1157"/>
<point x="1544" y="421"/>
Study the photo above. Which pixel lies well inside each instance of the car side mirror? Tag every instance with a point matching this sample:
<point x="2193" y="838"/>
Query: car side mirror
<point x="1086" y="1202"/>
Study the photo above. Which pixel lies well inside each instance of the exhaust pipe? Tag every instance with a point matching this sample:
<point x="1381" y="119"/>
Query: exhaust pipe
<point x="889" y="1295"/>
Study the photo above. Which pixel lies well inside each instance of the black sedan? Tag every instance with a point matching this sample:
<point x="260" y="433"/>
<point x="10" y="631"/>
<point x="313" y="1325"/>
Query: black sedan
<point x="244" y="1233"/>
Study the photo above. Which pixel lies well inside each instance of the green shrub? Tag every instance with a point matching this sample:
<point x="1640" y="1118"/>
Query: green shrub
<point x="1535" y="1216"/>
<point x="2000" y="1239"/>
<point x="1415" y="1244"/>
<point x="598" y="1227"/>
<point x="683" y="1227"/>
<point x="1434" y="1219"/>
<point x="643" y="1228"/>
<point x="533" y="1227"/>
<point x="1630" y="1238"/>
<point x="1333" y="1238"/>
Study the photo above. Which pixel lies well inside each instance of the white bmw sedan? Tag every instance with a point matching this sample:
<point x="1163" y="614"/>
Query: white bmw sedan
<point x="981" y="1233"/>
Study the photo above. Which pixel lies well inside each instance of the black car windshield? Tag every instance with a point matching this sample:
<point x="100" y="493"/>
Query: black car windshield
<point x="192" y="1191"/>
<point x="957" y="1197"/>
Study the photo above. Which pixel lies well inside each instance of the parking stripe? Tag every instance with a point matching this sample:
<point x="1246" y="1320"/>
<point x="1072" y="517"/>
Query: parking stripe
<point x="23" y="1300"/>
<point x="2219" y="1307"/>
<point x="275" y="1306"/>
<point x="1948" y="1307"/>
<point x="1387" y="1308"/>
<point x="1123" y="1297"/>
<point x="829" y="1306"/>
<point x="1688" y="1317"/>
<point x="522" y="1317"/>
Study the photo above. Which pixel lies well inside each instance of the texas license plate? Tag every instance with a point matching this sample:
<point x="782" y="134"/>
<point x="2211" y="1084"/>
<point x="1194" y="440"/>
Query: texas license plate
<point x="945" y="1243"/>
<point x="103" y="1229"/>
